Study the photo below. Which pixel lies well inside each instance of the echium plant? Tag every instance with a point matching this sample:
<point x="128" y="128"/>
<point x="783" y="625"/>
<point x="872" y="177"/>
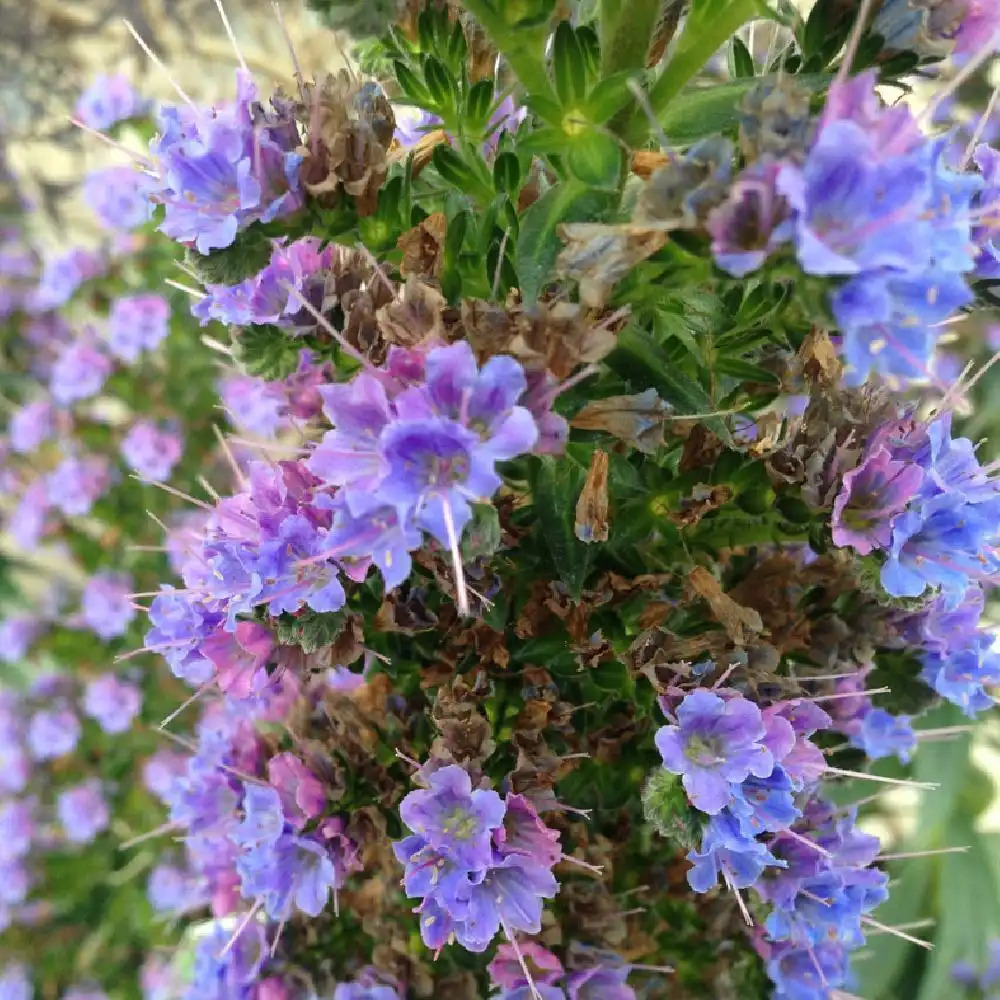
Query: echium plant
<point x="619" y="499"/>
<point x="109" y="403"/>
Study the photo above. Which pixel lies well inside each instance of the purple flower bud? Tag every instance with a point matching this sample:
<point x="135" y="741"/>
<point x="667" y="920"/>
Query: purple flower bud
<point x="15" y="983"/>
<point x="105" y="607"/>
<point x="254" y="404"/>
<point x="109" y="100"/>
<point x="150" y="451"/>
<point x="53" y="733"/>
<point x="119" y="197"/>
<point x="76" y="483"/>
<point x="302" y="794"/>
<point x="83" y="811"/>
<point x="137" y="323"/>
<point x="16" y="636"/>
<point x="80" y="372"/>
<point x="112" y="702"/>
<point x="30" y="425"/>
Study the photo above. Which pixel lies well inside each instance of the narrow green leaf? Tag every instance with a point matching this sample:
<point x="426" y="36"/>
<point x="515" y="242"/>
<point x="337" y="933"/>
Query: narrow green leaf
<point x="596" y="159"/>
<point x="569" y="66"/>
<point x="626" y="27"/>
<point x="538" y="243"/>
<point x="556" y="488"/>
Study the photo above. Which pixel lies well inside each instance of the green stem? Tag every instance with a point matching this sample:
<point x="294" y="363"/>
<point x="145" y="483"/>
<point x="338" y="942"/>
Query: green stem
<point x="701" y="39"/>
<point x="523" y="48"/>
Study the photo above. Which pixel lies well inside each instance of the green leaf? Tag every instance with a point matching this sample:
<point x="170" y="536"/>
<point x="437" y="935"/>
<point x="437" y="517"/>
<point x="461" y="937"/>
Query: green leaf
<point x="441" y="86"/>
<point x="538" y="243"/>
<point x="507" y="173"/>
<point x="741" y="61"/>
<point x="596" y="159"/>
<point x="479" y="105"/>
<point x="309" y="630"/>
<point x="266" y="351"/>
<point x="410" y="84"/>
<point x="556" y="488"/>
<point x="607" y="98"/>
<point x="249" y="254"/>
<point x="626" y="28"/>
<point x="639" y="358"/>
<point x="569" y="66"/>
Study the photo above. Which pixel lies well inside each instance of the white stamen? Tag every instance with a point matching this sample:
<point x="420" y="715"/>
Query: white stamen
<point x="896" y="932"/>
<point x="193" y="292"/>
<point x="149" y="835"/>
<point x="327" y="326"/>
<point x="989" y="47"/>
<point x="846" y="694"/>
<point x="456" y="558"/>
<point x="208" y="685"/>
<point x="930" y="785"/>
<point x="239" y="930"/>
<point x="520" y="958"/>
<point x="160" y="65"/>
<point x="141" y="160"/>
<point x="232" y="37"/>
<point x="903" y="855"/>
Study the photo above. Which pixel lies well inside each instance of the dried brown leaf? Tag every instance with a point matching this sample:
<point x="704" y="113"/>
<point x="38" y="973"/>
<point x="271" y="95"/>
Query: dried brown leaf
<point x="598" y="256"/>
<point x="423" y="247"/>
<point x="592" y="507"/>
<point x="637" y="420"/>
<point x="741" y="624"/>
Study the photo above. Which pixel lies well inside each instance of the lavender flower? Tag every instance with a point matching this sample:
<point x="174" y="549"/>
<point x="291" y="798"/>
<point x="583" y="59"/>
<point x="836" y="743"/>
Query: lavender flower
<point x="106" y="608"/>
<point x="137" y="323"/>
<point x="80" y="372"/>
<point x="151" y="451"/>
<point x="301" y="792"/>
<point x="17" y="633"/>
<point x="75" y="483"/>
<point x="220" y="171"/>
<point x="112" y="702"/>
<point x="109" y="100"/>
<point x="63" y="275"/>
<point x="53" y="733"/>
<point x="718" y="743"/>
<point x="15" y="983"/>
<point x="752" y="223"/>
<point x="254" y="404"/>
<point x="881" y="734"/>
<point x="83" y="811"/>
<point x="454" y="819"/>
<point x="871" y="496"/>
<point x="30" y="425"/>
<point x="119" y="197"/>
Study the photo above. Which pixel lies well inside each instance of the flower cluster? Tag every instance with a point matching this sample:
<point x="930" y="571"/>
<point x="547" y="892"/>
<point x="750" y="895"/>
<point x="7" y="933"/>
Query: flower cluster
<point x="220" y="170"/>
<point x="871" y="201"/>
<point x="920" y="498"/>
<point x="478" y="863"/>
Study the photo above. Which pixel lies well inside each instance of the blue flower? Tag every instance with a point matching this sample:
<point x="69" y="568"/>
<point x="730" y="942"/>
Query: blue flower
<point x="717" y="744"/>
<point x="728" y="851"/>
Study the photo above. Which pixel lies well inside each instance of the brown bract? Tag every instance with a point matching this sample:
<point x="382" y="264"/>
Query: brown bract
<point x="637" y="420"/>
<point x="592" y="507"/>
<point x="423" y="247"/>
<point x="742" y="624"/>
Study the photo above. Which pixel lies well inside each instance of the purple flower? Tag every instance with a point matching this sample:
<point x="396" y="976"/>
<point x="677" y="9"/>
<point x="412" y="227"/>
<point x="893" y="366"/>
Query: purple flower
<point x="53" y="733"/>
<point x="109" y="100"/>
<point x="728" y="851"/>
<point x="222" y="972"/>
<point x="454" y="819"/>
<point x="240" y="657"/>
<point x="30" y="425"/>
<point x="63" y="275"/>
<point x="370" y="985"/>
<point x="302" y="794"/>
<point x="106" y="608"/>
<point x="979" y="26"/>
<point x="506" y="971"/>
<point x="151" y="451"/>
<point x="220" y="171"/>
<point x="137" y="323"/>
<point x="17" y="828"/>
<point x="943" y="543"/>
<point x="75" y="483"/>
<point x="600" y="983"/>
<point x="174" y="890"/>
<point x="112" y="702"/>
<point x="870" y="498"/>
<point x="752" y="223"/>
<point x="717" y="744"/>
<point x="765" y="804"/>
<point x="79" y="372"/>
<point x="16" y="636"/>
<point x="84" y="993"/>
<point x="180" y="625"/>
<point x="83" y="811"/>
<point x="119" y="197"/>
<point x="15" y="983"/>
<point x="881" y="734"/>
<point x="254" y="404"/>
